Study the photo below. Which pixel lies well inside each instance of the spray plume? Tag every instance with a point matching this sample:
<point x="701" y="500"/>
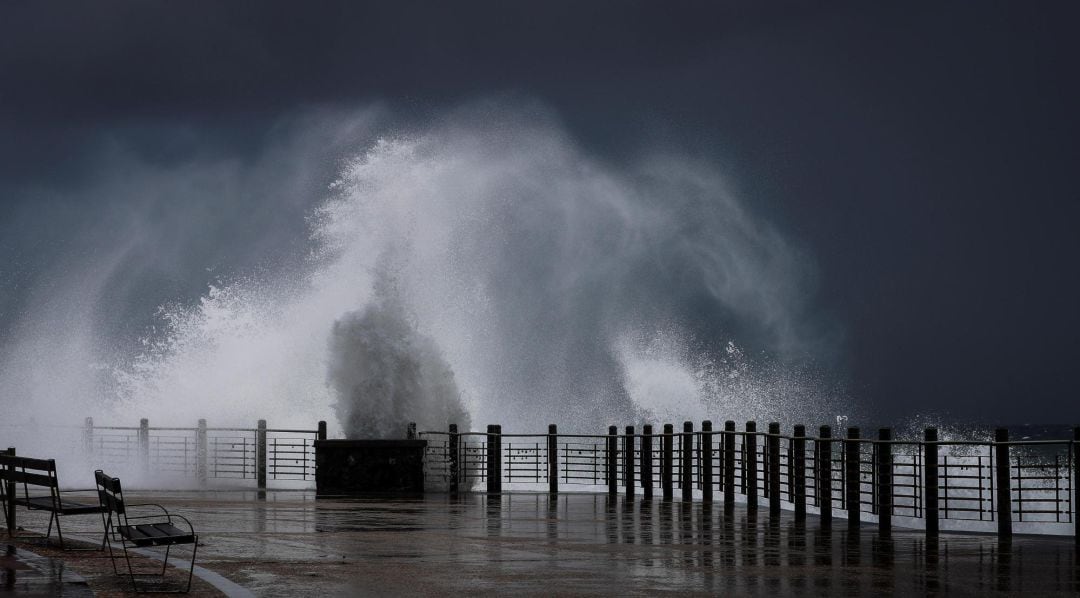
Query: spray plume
<point x="490" y="269"/>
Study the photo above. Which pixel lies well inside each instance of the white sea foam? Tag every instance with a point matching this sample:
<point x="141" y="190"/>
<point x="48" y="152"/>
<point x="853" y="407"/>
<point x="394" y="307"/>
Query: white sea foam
<point x="532" y="283"/>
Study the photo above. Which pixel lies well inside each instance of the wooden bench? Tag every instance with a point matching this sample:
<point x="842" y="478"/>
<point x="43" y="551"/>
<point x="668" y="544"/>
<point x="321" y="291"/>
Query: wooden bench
<point x="39" y="474"/>
<point x="144" y="533"/>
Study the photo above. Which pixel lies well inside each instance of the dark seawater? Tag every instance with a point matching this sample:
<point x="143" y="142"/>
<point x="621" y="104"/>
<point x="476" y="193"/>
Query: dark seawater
<point x="1048" y="442"/>
<point x="976" y="432"/>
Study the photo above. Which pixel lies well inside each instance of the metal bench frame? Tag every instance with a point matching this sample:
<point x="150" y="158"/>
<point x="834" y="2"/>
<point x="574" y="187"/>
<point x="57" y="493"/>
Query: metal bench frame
<point x="40" y="473"/>
<point x="142" y="534"/>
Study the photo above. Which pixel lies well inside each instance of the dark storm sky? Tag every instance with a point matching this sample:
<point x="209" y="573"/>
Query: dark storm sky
<point x="924" y="154"/>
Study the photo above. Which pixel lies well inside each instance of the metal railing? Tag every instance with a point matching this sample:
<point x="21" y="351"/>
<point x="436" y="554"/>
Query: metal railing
<point x="962" y="485"/>
<point x="202" y="452"/>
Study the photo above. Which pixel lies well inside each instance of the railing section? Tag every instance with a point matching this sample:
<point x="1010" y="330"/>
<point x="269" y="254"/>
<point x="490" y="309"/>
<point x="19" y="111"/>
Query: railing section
<point x="871" y="480"/>
<point x="206" y="453"/>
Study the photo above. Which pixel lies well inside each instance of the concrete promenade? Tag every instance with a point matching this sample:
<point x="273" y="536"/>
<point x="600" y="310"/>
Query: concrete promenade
<point x="290" y="544"/>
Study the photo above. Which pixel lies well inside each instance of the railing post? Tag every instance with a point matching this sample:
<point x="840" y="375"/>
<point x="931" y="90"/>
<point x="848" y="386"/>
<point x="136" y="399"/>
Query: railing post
<point x="320" y="434"/>
<point x="489" y="459"/>
<point x="1075" y="484"/>
<point x="553" y="459"/>
<point x="720" y="461"/>
<point x="1004" y="483"/>
<point x="750" y="465"/>
<point x="852" y="477"/>
<point x="260" y="454"/>
<point x="885" y="480"/>
<point x="494" y="459"/>
<point x="930" y="485"/>
<point x="647" y="460"/>
<point x="774" y="468"/>
<point x="201" y="450"/>
<point x="453" y="443"/>
<point x="669" y="462"/>
<point x="729" y="463"/>
<point x="88" y="436"/>
<point x="612" y="461"/>
<point x="823" y="461"/>
<point x="498" y="458"/>
<point x="705" y="467"/>
<point x="144" y="445"/>
<point x="628" y="462"/>
<point x="410" y="431"/>
<point x="9" y="490"/>
<point x="686" y="459"/>
<point x="797" y="461"/>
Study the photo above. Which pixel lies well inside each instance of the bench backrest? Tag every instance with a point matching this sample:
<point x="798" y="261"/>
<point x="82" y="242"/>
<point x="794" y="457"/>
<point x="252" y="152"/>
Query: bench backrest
<point x="24" y="470"/>
<point x="110" y="493"/>
<point x="28" y="472"/>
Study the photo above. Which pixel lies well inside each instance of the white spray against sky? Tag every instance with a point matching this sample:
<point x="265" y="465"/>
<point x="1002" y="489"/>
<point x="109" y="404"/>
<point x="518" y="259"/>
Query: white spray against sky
<point x="529" y="284"/>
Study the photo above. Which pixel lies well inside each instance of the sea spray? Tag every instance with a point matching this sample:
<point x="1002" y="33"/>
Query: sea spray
<point x="385" y="373"/>
<point x="556" y="286"/>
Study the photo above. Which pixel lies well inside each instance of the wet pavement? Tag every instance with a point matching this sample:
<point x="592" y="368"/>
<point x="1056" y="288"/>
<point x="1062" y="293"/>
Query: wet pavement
<point x="25" y="573"/>
<point x="290" y="544"/>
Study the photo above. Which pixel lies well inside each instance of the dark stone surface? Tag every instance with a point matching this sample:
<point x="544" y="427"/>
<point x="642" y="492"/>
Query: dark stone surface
<point x="359" y="467"/>
<point x="24" y="573"/>
<point x="285" y="544"/>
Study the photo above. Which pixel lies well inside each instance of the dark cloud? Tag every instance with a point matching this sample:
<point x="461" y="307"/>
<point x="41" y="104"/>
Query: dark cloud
<point x="69" y="70"/>
<point x="110" y="59"/>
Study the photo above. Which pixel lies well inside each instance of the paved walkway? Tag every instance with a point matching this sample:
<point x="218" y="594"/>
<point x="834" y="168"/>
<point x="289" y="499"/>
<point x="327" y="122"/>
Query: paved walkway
<point x="289" y="544"/>
<point x="25" y="573"/>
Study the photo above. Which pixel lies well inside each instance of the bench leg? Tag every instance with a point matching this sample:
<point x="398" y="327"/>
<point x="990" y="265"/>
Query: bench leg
<point x="107" y="524"/>
<point x="168" y="548"/>
<point x="191" y="569"/>
<point x="60" y="536"/>
<point x="131" y="571"/>
<point x="108" y="542"/>
<point x="165" y="561"/>
<point x="48" y="534"/>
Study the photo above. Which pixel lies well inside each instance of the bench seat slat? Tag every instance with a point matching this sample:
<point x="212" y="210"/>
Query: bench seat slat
<point x="35" y="502"/>
<point x="45" y="503"/>
<point x="155" y="534"/>
<point x="78" y="508"/>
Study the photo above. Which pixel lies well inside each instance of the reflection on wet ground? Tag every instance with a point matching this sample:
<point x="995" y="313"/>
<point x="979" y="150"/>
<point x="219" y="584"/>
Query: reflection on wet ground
<point x="291" y="544"/>
<point x="25" y="573"/>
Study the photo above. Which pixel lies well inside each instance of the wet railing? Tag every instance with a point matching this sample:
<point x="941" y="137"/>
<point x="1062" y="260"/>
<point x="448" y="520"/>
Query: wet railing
<point x="206" y="453"/>
<point x="201" y="452"/>
<point x="992" y="485"/>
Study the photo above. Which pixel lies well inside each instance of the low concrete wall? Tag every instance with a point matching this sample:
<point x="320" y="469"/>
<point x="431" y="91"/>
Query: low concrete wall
<point x="358" y="467"/>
